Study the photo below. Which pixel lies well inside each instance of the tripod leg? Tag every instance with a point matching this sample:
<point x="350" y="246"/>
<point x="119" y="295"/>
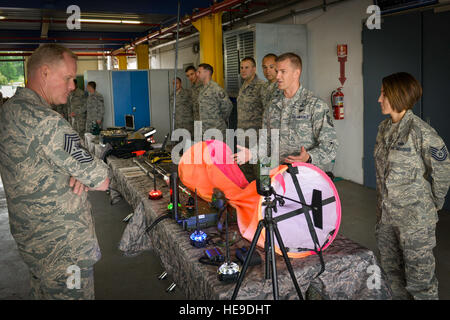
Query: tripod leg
<point x="267" y="273"/>
<point x="287" y="261"/>
<point x="247" y="259"/>
<point x="269" y="230"/>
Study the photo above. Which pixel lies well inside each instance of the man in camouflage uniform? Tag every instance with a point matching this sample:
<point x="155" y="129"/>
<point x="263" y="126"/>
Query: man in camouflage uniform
<point x="249" y="100"/>
<point x="46" y="174"/>
<point x="306" y="130"/>
<point x="95" y="107"/>
<point x="270" y="73"/>
<point x="413" y="177"/>
<point x="184" y="117"/>
<point x="214" y="105"/>
<point x="196" y="86"/>
<point x="77" y="112"/>
<point x="250" y="107"/>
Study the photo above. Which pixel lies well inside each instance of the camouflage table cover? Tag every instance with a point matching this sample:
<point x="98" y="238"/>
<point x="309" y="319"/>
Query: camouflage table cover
<point x="90" y="141"/>
<point x="349" y="272"/>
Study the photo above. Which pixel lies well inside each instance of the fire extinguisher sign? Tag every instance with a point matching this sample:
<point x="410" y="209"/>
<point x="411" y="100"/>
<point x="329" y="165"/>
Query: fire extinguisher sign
<point x="342" y="51"/>
<point x="342" y="58"/>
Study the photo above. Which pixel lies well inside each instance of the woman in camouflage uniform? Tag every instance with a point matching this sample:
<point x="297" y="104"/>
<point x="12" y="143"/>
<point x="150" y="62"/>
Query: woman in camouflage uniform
<point x="413" y="174"/>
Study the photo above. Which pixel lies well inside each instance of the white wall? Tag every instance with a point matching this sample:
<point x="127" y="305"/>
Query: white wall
<point x="164" y="58"/>
<point x="339" y="24"/>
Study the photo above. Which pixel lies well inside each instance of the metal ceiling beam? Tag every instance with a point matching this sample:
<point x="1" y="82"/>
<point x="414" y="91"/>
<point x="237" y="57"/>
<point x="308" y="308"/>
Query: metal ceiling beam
<point x="218" y="7"/>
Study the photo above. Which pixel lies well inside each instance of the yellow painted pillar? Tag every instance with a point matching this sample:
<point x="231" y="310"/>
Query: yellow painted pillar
<point x="142" y="56"/>
<point x="211" y="52"/>
<point x="123" y="64"/>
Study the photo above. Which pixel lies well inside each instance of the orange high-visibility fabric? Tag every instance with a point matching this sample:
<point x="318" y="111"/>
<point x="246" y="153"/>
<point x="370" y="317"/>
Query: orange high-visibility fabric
<point x="198" y="171"/>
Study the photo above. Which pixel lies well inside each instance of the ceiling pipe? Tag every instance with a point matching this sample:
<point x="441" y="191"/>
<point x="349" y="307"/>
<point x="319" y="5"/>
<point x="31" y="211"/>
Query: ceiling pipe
<point x="65" y="39"/>
<point x="80" y="54"/>
<point x="83" y="22"/>
<point x="218" y="7"/>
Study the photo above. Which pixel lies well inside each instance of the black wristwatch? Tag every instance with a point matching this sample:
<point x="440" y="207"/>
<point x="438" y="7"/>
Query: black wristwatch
<point x="309" y="160"/>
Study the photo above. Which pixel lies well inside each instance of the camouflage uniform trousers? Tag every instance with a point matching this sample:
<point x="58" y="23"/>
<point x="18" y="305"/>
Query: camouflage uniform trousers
<point x="53" y="286"/>
<point x="408" y="260"/>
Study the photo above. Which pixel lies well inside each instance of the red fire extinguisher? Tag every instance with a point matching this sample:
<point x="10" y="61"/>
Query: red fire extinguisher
<point x="337" y="101"/>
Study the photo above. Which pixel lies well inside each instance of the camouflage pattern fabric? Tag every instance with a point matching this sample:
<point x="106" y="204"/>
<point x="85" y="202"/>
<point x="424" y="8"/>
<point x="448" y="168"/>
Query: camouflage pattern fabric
<point x="303" y="120"/>
<point x="249" y="112"/>
<point x="195" y="91"/>
<point x="95" y="109"/>
<point x="348" y="265"/>
<point x="269" y="88"/>
<point x="56" y="288"/>
<point x="214" y="107"/>
<point x="77" y="100"/>
<point x="62" y="109"/>
<point x="407" y="259"/>
<point x="39" y="152"/>
<point x="184" y="116"/>
<point x="412" y="170"/>
<point x="250" y="105"/>
<point x="134" y="239"/>
<point x="413" y="177"/>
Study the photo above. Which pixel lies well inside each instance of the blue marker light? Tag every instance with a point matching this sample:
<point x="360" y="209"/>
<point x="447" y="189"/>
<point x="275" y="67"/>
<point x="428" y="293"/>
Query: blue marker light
<point x="198" y="239"/>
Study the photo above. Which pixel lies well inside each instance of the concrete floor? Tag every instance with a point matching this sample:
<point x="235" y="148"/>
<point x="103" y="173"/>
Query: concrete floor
<point x="119" y="277"/>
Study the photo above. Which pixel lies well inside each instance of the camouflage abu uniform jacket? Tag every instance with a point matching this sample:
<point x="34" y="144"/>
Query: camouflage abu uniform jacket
<point x="250" y="105"/>
<point x="214" y="107"/>
<point x="62" y="109"/>
<point x="95" y="109"/>
<point x="184" y="117"/>
<point x="195" y="90"/>
<point x="269" y="89"/>
<point x="412" y="172"/>
<point x="77" y="102"/>
<point x="303" y="120"/>
<point x="39" y="152"/>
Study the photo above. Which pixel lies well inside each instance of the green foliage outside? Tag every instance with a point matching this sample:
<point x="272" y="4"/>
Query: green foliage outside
<point x="11" y="71"/>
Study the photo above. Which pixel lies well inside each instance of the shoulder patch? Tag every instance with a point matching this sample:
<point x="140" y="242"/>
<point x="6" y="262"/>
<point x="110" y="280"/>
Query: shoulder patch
<point x="73" y="147"/>
<point x="439" y="154"/>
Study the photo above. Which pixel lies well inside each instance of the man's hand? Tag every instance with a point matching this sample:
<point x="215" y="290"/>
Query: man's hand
<point x="303" y="157"/>
<point x="242" y="156"/>
<point x="78" y="187"/>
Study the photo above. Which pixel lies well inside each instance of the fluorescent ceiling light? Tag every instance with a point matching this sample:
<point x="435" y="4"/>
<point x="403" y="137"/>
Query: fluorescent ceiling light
<point x="111" y="21"/>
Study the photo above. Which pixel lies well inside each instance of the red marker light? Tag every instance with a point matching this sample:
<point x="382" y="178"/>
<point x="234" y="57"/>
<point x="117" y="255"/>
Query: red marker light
<point x="155" y="194"/>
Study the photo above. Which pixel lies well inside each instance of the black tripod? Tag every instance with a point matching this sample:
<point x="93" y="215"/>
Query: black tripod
<point x="270" y="224"/>
<point x="271" y="229"/>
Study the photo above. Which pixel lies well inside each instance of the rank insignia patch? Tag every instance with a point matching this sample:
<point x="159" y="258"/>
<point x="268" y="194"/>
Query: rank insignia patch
<point x="73" y="147"/>
<point x="439" y="154"/>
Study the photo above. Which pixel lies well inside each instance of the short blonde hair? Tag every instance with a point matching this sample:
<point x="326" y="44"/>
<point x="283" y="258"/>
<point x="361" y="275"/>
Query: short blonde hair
<point x="47" y="54"/>
<point x="402" y="90"/>
<point x="295" y="59"/>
